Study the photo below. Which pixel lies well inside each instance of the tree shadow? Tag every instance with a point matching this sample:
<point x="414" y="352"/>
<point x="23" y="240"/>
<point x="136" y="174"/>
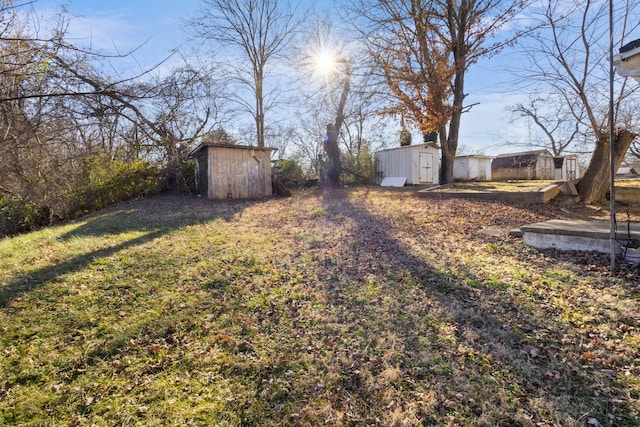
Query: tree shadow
<point x="154" y="217"/>
<point x="512" y="348"/>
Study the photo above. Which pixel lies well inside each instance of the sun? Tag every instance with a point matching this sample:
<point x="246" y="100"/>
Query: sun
<point x="325" y="62"/>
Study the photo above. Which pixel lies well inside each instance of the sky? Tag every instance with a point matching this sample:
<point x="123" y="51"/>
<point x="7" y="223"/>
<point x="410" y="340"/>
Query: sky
<point x="156" y="27"/>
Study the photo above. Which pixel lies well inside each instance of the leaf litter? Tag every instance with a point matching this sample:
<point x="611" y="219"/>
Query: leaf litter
<point x="344" y="307"/>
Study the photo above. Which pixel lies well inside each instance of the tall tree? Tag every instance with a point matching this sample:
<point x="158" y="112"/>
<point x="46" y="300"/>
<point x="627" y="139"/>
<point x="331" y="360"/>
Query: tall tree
<point x="260" y="30"/>
<point x="333" y="130"/>
<point x="568" y="57"/>
<point x="424" y="50"/>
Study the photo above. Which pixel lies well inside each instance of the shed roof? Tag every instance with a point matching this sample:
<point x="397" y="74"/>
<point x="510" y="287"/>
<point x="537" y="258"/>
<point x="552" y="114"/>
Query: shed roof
<point x="412" y="146"/>
<point x="233" y="146"/>
<point x="524" y="159"/>
<point x="474" y="156"/>
<point x="558" y="162"/>
<point x="522" y="153"/>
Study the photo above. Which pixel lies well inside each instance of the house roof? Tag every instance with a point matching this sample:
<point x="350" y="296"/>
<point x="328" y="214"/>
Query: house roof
<point x="630" y="46"/>
<point x="627" y="61"/>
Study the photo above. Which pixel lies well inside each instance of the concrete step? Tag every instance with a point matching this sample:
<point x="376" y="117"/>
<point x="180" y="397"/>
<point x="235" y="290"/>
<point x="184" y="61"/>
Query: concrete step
<point x="576" y="235"/>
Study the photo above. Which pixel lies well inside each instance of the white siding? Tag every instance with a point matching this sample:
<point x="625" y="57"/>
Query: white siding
<point x="472" y="168"/>
<point x="418" y="163"/>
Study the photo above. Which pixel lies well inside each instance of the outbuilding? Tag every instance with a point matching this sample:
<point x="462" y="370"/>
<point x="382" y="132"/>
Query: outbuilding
<point x="472" y="168"/>
<point x="226" y="171"/>
<point x="566" y="168"/>
<point x="527" y="165"/>
<point x="418" y="164"/>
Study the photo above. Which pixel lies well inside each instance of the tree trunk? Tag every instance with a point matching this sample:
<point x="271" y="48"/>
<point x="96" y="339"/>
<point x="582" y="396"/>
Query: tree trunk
<point x="596" y="181"/>
<point x="259" y="110"/>
<point x="450" y="145"/>
<point x="333" y="131"/>
<point x="333" y="154"/>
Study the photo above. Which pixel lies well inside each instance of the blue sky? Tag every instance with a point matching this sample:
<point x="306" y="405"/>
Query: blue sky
<point x="123" y="25"/>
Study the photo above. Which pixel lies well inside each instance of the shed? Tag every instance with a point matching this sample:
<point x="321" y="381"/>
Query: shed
<point x="472" y="168"/>
<point x="527" y="165"/>
<point x="418" y="163"/>
<point x="232" y="171"/>
<point x="566" y="168"/>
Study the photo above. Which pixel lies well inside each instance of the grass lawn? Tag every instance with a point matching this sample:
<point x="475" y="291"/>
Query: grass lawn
<point x="346" y="307"/>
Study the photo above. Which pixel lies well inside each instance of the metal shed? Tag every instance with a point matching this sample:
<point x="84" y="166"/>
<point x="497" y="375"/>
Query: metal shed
<point x="472" y="168"/>
<point x="527" y="165"/>
<point x="418" y="163"/>
<point x="233" y="171"/>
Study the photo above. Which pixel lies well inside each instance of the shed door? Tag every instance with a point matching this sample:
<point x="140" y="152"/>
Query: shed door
<point x="426" y="167"/>
<point x="482" y="170"/>
<point x="572" y="169"/>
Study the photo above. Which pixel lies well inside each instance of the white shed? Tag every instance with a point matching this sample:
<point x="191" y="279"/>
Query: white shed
<point x="566" y="168"/>
<point x="419" y="164"/>
<point x="472" y="168"/>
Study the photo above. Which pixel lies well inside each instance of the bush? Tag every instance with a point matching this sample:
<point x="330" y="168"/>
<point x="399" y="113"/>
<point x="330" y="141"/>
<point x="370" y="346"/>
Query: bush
<point x="188" y="169"/>
<point x="20" y="216"/>
<point x="288" y="172"/>
<point x="112" y="182"/>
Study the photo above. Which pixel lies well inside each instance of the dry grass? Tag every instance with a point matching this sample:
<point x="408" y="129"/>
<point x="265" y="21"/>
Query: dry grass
<point x="346" y="307"/>
<point x="507" y="186"/>
<point x="628" y="182"/>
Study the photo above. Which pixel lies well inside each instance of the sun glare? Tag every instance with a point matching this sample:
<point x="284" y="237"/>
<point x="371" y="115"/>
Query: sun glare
<point x="325" y="63"/>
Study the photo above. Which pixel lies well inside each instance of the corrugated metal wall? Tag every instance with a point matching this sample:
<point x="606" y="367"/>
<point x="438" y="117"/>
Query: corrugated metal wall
<point x="406" y="162"/>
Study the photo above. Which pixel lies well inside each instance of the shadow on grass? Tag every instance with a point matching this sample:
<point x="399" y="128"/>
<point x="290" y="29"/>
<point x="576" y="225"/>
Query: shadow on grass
<point x="25" y="282"/>
<point x="154" y="216"/>
<point x="526" y="363"/>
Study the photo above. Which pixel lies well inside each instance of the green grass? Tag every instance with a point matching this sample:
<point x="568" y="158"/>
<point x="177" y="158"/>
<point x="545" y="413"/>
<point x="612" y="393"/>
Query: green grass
<point x="339" y="308"/>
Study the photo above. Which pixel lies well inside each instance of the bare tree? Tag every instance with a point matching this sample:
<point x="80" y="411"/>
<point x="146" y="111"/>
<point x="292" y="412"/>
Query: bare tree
<point x="281" y="138"/>
<point x="569" y="58"/>
<point x="260" y="30"/>
<point x="58" y="110"/>
<point x="549" y="115"/>
<point x="424" y="50"/>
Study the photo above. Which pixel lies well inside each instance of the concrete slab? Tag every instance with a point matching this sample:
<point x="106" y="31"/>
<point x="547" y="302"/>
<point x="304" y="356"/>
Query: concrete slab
<point x="543" y="195"/>
<point x="628" y="195"/>
<point x="577" y="235"/>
